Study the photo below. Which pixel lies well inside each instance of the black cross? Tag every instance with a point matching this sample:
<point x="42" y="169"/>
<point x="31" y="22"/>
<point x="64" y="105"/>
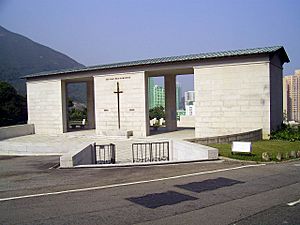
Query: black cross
<point x="118" y="92"/>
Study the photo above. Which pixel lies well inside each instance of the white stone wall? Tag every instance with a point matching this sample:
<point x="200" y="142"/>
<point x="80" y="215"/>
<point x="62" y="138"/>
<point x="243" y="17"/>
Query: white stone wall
<point x="132" y="103"/>
<point x="186" y="121"/>
<point x="44" y="98"/>
<point x="232" y="98"/>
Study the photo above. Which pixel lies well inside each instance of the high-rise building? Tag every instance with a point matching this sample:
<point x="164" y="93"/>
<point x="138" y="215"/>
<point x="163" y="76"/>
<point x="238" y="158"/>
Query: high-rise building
<point x="291" y="96"/>
<point x="151" y="93"/>
<point x="178" y="95"/>
<point x="189" y="97"/>
<point x="158" y="96"/>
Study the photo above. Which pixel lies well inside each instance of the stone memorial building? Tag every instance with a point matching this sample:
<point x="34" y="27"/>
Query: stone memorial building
<point x="235" y="91"/>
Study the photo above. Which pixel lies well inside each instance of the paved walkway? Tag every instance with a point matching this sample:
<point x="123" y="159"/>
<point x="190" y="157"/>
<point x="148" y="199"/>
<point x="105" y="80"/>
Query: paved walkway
<point x="72" y="141"/>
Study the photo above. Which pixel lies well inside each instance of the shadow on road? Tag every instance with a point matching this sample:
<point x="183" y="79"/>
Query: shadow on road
<point x="209" y="185"/>
<point x="156" y="200"/>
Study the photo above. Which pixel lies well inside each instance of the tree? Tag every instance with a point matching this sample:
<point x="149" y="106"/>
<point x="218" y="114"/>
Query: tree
<point x="77" y="115"/>
<point x="13" y="108"/>
<point x="157" y="112"/>
<point x="70" y="103"/>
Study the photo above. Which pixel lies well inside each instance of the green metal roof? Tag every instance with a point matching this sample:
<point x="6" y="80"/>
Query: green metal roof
<point x="171" y="59"/>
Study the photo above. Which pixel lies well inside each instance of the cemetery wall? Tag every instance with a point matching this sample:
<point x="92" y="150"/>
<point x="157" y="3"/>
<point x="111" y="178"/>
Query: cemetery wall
<point x="132" y="104"/>
<point x="255" y="135"/>
<point x="232" y="98"/>
<point x="44" y="98"/>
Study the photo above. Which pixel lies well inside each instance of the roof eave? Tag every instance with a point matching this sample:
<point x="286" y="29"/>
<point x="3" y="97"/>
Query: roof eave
<point x="280" y="50"/>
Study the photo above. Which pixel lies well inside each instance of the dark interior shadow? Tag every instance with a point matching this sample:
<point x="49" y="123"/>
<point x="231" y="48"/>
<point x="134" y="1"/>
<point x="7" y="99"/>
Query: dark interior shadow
<point x="163" y="130"/>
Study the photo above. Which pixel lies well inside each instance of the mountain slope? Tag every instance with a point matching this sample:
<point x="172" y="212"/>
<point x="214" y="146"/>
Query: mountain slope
<point x="20" y="56"/>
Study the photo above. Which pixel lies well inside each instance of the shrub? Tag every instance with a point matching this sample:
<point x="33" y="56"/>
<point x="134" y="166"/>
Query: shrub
<point x="77" y="115"/>
<point x="157" y="112"/>
<point x="287" y="132"/>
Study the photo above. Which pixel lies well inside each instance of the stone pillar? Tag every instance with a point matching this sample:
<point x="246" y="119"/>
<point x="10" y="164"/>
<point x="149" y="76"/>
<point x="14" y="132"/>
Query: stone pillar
<point x="90" y="104"/>
<point x="170" y="102"/>
<point x="45" y="105"/>
<point x="147" y="103"/>
<point x="64" y="101"/>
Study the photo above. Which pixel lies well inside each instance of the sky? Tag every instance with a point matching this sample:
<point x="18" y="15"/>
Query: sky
<point x="97" y="32"/>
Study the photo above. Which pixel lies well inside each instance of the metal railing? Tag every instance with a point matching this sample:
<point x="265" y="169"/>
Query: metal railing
<point x="105" y="154"/>
<point x="150" y="151"/>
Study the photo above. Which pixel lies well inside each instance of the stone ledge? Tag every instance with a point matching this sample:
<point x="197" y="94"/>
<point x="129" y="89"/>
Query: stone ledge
<point x="16" y="131"/>
<point x="254" y="135"/>
<point x="117" y="133"/>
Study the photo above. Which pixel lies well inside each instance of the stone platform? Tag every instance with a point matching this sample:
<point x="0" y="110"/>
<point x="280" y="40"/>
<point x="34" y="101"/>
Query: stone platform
<point x="69" y="144"/>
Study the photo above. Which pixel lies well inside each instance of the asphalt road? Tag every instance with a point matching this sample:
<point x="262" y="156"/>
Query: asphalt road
<point x="248" y="195"/>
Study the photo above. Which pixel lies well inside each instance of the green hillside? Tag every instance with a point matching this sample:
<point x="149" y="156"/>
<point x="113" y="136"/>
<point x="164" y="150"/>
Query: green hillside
<point x="20" y="56"/>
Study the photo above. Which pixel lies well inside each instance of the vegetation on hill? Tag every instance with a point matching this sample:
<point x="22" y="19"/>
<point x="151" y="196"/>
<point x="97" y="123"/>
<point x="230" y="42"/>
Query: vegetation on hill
<point x="20" y="56"/>
<point x="13" y="108"/>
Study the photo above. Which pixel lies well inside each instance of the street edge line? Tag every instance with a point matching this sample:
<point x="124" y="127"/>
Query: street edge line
<point x="293" y="203"/>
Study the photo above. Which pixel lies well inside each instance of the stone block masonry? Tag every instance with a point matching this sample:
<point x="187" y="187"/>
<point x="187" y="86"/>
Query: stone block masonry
<point x="255" y="135"/>
<point x="235" y="91"/>
<point x="44" y="100"/>
<point x="132" y="104"/>
<point x="233" y="98"/>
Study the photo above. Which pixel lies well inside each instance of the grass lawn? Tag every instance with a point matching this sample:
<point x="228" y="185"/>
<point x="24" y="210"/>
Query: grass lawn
<point x="258" y="147"/>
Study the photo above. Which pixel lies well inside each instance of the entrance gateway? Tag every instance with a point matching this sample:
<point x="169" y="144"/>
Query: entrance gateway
<point x="235" y="91"/>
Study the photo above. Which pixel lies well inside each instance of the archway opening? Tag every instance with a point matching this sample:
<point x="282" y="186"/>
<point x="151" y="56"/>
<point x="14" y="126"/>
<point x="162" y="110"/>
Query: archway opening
<point x="79" y="113"/>
<point x="171" y="103"/>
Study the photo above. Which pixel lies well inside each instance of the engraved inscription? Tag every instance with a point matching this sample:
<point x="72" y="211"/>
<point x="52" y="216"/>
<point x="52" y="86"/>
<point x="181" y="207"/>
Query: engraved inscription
<point x="118" y="78"/>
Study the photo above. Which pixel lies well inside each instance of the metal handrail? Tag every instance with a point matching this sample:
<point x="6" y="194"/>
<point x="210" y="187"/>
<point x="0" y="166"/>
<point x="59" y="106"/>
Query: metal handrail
<point x="105" y="154"/>
<point x="150" y="151"/>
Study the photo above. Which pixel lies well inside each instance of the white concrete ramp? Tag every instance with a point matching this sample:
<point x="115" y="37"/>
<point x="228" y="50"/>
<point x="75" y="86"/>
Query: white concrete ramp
<point x="179" y="151"/>
<point x="187" y="151"/>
